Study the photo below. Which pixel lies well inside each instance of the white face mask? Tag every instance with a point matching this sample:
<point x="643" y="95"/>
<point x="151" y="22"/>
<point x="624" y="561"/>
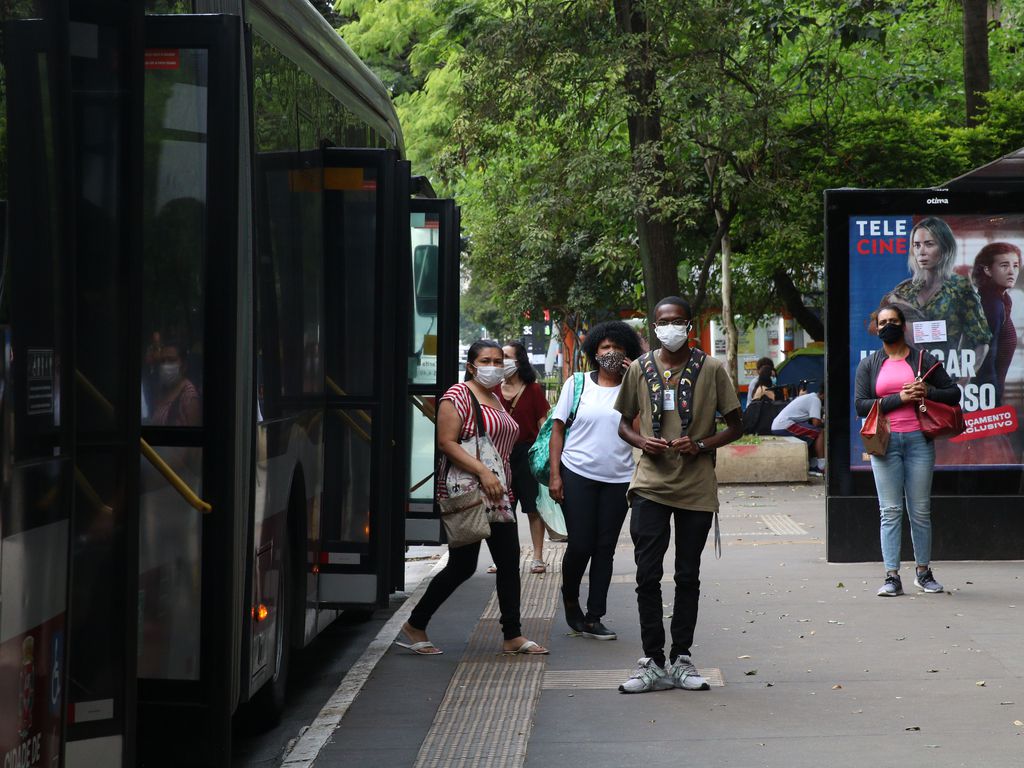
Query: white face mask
<point x="511" y="368"/>
<point x="489" y="376"/>
<point x="672" y="337"/>
<point x="169" y="373"/>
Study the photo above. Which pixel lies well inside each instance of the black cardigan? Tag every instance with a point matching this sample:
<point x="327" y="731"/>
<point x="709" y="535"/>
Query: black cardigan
<point x="941" y="388"/>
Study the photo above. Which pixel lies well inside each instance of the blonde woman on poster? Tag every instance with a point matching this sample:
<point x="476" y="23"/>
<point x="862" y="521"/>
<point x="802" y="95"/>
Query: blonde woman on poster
<point x="942" y="308"/>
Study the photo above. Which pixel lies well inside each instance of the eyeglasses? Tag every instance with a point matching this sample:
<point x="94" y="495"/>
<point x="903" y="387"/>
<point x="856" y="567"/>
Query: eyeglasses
<point x="883" y="323"/>
<point x="678" y="323"/>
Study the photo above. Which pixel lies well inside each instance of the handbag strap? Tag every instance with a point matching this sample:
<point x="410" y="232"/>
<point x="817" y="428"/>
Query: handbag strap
<point x="920" y="364"/>
<point x="481" y="430"/>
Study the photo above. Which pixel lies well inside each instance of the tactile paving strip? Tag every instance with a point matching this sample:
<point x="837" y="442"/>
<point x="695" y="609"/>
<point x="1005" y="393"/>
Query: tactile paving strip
<point x="486" y="716"/>
<point x="606" y="679"/>
<point x="484" y="719"/>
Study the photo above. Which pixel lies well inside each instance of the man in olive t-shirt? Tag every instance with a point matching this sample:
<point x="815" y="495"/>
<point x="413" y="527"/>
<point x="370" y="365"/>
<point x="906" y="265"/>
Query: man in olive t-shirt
<point x="674" y="478"/>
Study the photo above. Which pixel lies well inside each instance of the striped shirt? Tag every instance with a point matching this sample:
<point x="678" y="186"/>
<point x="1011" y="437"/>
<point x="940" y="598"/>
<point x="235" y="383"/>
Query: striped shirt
<point x="499" y="426"/>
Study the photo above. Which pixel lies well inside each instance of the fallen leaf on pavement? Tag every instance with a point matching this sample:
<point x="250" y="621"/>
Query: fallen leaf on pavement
<point x="750" y="672"/>
<point x="744" y="656"/>
<point x="836" y="687"/>
<point x="913" y="728"/>
<point x="980" y="683"/>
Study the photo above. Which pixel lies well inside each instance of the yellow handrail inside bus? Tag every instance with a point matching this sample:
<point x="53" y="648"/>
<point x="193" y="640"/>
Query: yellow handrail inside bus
<point x="427" y="409"/>
<point x="332" y="385"/>
<point x="90" y="494"/>
<point x="421" y="482"/>
<point x="147" y="450"/>
<point x="173" y="478"/>
<point x="353" y="424"/>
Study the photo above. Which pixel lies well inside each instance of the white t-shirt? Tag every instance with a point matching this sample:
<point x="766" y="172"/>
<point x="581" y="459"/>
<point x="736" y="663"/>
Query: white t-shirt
<point x="593" y="447"/>
<point x="803" y="408"/>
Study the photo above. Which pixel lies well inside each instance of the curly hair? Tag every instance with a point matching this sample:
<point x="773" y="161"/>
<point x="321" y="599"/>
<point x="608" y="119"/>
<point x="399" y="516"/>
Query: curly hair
<point x="618" y="332"/>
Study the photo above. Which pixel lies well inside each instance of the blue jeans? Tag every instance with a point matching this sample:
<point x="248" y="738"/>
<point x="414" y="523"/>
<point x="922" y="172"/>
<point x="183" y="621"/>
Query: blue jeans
<point x="906" y="469"/>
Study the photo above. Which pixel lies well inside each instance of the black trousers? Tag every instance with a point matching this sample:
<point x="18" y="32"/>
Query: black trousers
<point x="594" y="512"/>
<point x="524" y="486"/>
<point x="504" y="545"/>
<point x="650" y="529"/>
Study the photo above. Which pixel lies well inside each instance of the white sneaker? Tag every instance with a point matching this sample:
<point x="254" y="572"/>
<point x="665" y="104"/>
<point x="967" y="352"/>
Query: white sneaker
<point x="648" y="676"/>
<point x="684" y="674"/>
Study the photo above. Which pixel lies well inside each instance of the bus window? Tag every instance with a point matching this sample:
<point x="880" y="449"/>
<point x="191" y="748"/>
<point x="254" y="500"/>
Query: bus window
<point x="351" y="270"/>
<point x="425" y="234"/>
<point x="174" y="210"/>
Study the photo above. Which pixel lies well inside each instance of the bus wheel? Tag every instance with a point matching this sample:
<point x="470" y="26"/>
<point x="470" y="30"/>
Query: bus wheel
<point x="267" y="705"/>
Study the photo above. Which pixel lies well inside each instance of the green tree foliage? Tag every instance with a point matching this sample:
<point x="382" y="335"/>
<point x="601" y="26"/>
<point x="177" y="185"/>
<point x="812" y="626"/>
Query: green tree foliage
<point x="527" y="112"/>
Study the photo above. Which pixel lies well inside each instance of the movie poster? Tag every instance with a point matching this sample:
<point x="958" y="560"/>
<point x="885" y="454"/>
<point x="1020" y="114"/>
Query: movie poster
<point x="956" y="278"/>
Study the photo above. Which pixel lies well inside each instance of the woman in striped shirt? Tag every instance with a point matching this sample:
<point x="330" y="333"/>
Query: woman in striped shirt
<point x="456" y="424"/>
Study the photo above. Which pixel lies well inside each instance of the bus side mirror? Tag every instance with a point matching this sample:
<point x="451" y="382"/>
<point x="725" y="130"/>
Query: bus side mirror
<point x="425" y="279"/>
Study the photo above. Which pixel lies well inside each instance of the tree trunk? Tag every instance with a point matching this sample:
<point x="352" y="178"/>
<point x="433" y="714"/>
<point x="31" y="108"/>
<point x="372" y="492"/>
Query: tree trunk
<point x="791" y="297"/>
<point x="656" y="239"/>
<point x="731" y="334"/>
<point x="976" y="72"/>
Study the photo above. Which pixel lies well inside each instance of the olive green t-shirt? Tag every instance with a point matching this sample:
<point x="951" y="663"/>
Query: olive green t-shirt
<point x="676" y="479"/>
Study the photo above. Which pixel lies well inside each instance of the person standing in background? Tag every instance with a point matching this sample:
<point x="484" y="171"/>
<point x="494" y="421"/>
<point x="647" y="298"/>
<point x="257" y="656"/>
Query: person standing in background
<point x="525" y="402"/>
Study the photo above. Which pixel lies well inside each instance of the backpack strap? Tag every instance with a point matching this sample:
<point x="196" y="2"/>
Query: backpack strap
<point x="684" y="398"/>
<point x="687" y="381"/>
<point x="654" y="389"/>
<point x="579" y="379"/>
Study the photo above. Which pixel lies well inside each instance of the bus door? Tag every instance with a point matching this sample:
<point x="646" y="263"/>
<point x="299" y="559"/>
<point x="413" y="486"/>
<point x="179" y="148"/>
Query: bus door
<point x="362" y="315"/>
<point x="37" y="439"/>
<point x="432" y="354"/>
<point x="194" y="349"/>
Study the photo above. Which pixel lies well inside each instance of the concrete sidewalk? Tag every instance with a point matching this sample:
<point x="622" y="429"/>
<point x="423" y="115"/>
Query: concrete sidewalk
<point x="815" y="669"/>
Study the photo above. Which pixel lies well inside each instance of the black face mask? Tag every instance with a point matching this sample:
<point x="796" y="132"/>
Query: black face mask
<point x="890" y="333"/>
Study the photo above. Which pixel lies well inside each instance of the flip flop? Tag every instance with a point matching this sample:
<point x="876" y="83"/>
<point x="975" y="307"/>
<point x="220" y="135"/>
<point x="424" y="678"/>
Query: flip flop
<point x="420" y="649"/>
<point x="529" y="648"/>
<point x="538" y="566"/>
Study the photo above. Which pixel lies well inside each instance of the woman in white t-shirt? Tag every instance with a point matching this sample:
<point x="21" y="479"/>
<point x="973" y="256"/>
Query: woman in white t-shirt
<point x="591" y="467"/>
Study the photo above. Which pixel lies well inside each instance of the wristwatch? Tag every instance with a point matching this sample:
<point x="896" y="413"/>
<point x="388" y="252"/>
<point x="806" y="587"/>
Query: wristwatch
<point x="701" y="446"/>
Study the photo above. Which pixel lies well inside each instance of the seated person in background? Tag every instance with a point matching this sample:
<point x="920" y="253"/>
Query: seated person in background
<point x="761" y="364"/>
<point x="762" y="385"/>
<point x="802" y="418"/>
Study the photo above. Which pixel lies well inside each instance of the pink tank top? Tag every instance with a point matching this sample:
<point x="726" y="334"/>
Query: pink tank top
<point x="891" y="378"/>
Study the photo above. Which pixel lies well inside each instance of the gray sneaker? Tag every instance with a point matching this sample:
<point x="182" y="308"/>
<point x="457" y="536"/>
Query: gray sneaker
<point x="648" y="676"/>
<point x="927" y="583"/>
<point x="893" y="586"/>
<point x="684" y="675"/>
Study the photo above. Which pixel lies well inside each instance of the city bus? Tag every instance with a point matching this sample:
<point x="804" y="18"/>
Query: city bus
<point x="230" y="312"/>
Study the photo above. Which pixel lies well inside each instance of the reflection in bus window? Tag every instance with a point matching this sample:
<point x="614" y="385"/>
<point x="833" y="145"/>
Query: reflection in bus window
<point x="170" y="570"/>
<point x="351" y="272"/>
<point x="425" y="234"/>
<point x="347" y="484"/>
<point x="174" y="207"/>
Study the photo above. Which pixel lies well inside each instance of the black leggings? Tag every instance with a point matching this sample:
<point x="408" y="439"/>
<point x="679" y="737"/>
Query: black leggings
<point x="504" y="545"/>
<point x="594" y="512"/>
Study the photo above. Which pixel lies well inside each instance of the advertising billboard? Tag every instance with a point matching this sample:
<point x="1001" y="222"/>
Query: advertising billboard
<point x="956" y="278"/>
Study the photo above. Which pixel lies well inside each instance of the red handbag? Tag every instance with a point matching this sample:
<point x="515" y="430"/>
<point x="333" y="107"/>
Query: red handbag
<point x="875" y="432"/>
<point x="938" y="419"/>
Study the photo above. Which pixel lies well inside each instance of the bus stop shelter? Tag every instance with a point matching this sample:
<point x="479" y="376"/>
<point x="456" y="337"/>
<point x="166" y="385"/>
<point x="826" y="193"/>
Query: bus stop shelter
<point x="979" y="476"/>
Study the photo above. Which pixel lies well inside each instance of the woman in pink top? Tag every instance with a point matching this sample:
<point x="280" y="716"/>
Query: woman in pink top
<point x="890" y="376"/>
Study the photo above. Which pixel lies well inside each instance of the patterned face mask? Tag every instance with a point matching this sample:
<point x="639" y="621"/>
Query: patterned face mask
<point x="612" y="361"/>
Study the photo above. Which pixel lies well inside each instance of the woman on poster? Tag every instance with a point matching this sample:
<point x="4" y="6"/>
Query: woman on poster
<point x="995" y="272"/>
<point x="934" y="292"/>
